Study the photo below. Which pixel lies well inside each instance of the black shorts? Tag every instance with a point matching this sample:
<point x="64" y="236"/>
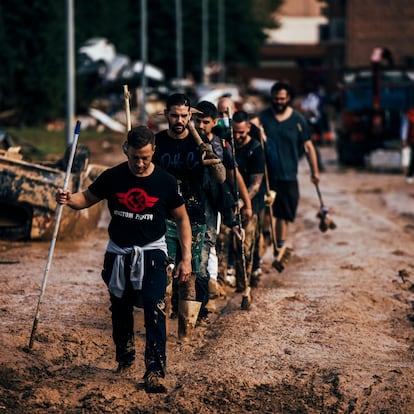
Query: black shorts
<point x="287" y="200"/>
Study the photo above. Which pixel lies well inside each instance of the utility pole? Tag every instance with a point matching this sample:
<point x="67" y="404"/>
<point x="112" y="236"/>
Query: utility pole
<point x="204" y="40"/>
<point x="221" y="38"/>
<point x="179" y="39"/>
<point x="70" y="70"/>
<point x="144" y="58"/>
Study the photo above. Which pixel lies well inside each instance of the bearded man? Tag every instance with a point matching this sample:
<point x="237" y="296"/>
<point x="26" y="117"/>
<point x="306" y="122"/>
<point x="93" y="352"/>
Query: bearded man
<point x="287" y="137"/>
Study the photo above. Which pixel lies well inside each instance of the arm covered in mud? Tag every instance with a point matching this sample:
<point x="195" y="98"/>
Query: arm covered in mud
<point x="183" y="269"/>
<point x="77" y="201"/>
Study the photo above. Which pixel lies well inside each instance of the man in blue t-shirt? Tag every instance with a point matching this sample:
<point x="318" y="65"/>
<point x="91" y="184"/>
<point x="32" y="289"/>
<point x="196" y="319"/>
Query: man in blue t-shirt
<point x="287" y="136"/>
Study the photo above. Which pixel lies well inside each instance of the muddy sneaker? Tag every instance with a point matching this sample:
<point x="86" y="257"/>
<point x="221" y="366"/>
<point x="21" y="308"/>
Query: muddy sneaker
<point x="255" y="277"/>
<point x="222" y="294"/>
<point x="257" y="272"/>
<point x="154" y="382"/>
<point x="212" y="289"/>
<point x="203" y="322"/>
<point x="231" y="277"/>
<point x="124" y="367"/>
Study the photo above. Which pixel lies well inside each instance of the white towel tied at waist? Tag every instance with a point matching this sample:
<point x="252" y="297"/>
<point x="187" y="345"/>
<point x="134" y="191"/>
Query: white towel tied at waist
<point x="117" y="282"/>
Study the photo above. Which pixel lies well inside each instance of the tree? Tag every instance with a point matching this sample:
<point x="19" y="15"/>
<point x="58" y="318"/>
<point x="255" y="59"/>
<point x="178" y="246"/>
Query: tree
<point x="34" y="52"/>
<point x="32" y="34"/>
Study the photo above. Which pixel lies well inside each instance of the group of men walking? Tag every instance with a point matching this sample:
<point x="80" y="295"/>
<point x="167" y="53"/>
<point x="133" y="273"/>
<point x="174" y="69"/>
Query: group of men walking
<point x="169" y="198"/>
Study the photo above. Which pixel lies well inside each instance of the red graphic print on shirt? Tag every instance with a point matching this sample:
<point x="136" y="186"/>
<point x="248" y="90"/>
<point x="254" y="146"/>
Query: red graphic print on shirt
<point x="136" y="200"/>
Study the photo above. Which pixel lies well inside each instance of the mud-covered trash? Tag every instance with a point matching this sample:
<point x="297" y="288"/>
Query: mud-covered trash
<point x="27" y="195"/>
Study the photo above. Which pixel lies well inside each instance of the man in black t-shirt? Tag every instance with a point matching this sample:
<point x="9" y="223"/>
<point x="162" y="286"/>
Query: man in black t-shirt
<point x="219" y="198"/>
<point x="180" y="154"/>
<point x="140" y="197"/>
<point x="251" y="163"/>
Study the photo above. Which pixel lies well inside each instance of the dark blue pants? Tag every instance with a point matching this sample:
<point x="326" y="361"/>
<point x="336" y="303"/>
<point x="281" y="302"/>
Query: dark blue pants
<point x="152" y="299"/>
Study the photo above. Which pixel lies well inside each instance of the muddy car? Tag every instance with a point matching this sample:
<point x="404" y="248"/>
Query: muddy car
<point x="27" y="195"/>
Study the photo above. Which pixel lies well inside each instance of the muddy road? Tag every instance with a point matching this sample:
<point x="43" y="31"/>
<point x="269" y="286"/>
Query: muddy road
<point x="332" y="333"/>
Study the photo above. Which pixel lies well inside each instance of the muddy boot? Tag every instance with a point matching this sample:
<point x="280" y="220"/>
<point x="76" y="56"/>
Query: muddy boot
<point x="187" y="290"/>
<point x="212" y="288"/>
<point x="283" y="255"/>
<point x="246" y="299"/>
<point x="255" y="278"/>
<point x="188" y="309"/>
<point x="187" y="317"/>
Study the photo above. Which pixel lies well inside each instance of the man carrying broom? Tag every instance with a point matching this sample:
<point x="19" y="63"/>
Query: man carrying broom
<point x="287" y="137"/>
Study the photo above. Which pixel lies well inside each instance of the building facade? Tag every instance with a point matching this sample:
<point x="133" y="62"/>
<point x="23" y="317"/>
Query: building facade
<point x="347" y="33"/>
<point x="293" y="51"/>
<point x="356" y="27"/>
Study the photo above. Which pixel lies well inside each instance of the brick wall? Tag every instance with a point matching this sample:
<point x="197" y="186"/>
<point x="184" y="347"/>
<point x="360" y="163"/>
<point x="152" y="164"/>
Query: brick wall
<point x="372" y="23"/>
<point x="295" y="8"/>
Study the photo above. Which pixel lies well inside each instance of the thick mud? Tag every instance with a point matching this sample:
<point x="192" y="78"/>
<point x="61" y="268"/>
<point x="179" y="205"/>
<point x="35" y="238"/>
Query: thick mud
<point x="332" y="333"/>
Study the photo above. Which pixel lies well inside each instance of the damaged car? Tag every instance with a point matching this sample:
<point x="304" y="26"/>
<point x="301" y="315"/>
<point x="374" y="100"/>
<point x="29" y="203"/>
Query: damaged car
<point x="27" y="193"/>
